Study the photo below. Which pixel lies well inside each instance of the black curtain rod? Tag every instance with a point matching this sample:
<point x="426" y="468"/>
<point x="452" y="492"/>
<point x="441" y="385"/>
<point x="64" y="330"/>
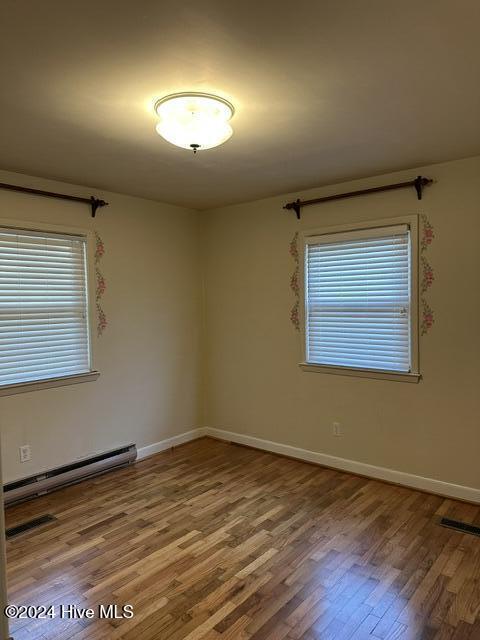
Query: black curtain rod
<point x="94" y="203"/>
<point x="419" y="183"/>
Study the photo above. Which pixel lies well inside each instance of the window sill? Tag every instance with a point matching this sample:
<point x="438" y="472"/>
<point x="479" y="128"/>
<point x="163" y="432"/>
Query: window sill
<point x="361" y="373"/>
<point x="24" y="387"/>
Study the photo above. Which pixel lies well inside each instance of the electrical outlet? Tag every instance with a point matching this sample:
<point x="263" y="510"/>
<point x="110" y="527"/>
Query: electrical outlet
<point x="25" y="453"/>
<point x="337" y="429"/>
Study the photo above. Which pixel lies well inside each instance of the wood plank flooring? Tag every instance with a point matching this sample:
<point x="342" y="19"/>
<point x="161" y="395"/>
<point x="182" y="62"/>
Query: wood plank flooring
<point x="218" y="542"/>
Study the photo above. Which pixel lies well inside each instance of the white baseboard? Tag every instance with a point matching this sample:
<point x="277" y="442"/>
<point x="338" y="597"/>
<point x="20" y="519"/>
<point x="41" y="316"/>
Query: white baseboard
<point x="168" y="443"/>
<point x="381" y="473"/>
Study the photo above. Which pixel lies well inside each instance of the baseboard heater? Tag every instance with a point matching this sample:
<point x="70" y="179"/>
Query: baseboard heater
<point x="68" y="474"/>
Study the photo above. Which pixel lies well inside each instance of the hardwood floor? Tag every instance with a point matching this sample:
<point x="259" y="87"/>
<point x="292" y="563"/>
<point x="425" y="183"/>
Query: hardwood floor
<point x="218" y="542"/>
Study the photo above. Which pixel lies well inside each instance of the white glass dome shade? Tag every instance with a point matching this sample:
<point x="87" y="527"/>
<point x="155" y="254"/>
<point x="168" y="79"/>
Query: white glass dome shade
<point x="195" y="121"/>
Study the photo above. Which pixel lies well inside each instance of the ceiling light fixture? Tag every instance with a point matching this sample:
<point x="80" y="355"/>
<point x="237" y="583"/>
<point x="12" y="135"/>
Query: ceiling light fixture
<point x="194" y="120"/>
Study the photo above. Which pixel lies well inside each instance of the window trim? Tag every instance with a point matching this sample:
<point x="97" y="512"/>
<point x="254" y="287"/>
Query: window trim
<point x="88" y="236"/>
<point x="412" y="376"/>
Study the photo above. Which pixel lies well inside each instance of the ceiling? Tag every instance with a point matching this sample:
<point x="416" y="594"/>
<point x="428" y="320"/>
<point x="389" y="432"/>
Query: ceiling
<point x="324" y="90"/>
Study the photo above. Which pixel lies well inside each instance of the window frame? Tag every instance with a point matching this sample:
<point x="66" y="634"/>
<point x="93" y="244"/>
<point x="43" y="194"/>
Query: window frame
<point x="88" y="236"/>
<point x="412" y="376"/>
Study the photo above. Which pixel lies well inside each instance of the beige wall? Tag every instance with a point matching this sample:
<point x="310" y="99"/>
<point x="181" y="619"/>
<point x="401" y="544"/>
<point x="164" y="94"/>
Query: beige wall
<point x="148" y="357"/>
<point x="152" y="355"/>
<point x="253" y="384"/>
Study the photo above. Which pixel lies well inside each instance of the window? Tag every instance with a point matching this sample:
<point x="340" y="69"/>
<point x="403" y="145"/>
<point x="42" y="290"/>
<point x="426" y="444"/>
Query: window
<point x="44" y="327"/>
<point x="360" y="300"/>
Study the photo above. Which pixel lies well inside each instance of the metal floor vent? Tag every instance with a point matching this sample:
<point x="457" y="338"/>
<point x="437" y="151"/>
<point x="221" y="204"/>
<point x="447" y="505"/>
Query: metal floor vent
<point x="27" y="526"/>
<point x="463" y="527"/>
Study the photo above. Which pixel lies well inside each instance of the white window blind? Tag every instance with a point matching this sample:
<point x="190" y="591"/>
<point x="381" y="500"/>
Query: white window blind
<point x="43" y="306"/>
<point x="358" y="299"/>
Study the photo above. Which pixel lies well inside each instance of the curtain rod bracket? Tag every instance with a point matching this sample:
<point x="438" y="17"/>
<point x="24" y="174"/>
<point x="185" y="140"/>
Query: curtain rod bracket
<point x="296" y="206"/>
<point x="419" y="184"/>
<point x="95" y="203"/>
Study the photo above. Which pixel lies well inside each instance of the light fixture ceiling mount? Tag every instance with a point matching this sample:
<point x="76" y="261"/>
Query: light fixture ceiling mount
<point x="193" y="120"/>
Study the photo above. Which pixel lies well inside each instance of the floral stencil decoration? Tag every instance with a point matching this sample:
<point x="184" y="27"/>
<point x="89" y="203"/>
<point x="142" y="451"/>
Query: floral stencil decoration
<point x="99" y="248"/>
<point x="294" y="316"/>
<point x="100" y="284"/>
<point x="428" y="276"/>
<point x="294" y="286"/>
<point x="427" y="317"/>
<point x="294" y="248"/>
<point x="427" y="233"/>
<point x="102" y="320"/>
<point x="294" y="282"/>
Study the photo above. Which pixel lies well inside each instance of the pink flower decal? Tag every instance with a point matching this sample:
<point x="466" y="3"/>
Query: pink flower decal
<point x="427" y="276"/>
<point x="101" y="285"/>
<point x="427" y="317"/>
<point x="99" y="248"/>
<point x="294" y="247"/>
<point x="294" y="282"/>
<point x="427" y="233"/>
<point x="294" y="316"/>
<point x="102" y="320"/>
<point x="294" y="286"/>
